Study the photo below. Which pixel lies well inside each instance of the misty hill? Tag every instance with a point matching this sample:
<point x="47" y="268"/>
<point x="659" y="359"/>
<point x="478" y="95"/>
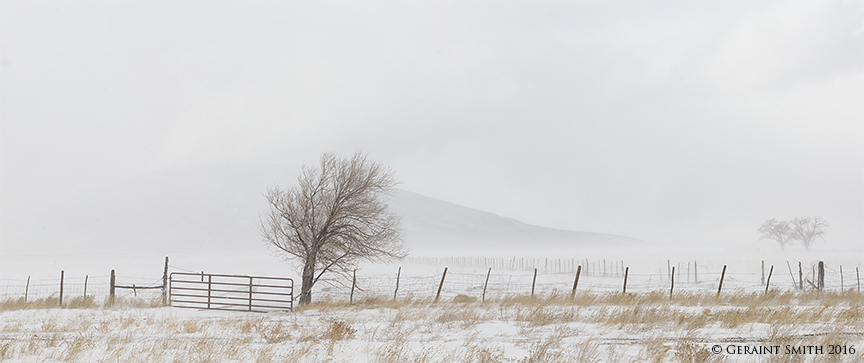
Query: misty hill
<point x="219" y="208"/>
<point x="432" y="223"/>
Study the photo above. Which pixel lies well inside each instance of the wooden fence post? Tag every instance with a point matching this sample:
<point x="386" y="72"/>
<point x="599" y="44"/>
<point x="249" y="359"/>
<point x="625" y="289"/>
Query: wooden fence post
<point x="794" y="284"/>
<point x="800" y="277"/>
<point x="210" y="279"/>
<point x="857" y="277"/>
<point x="398" y="274"/>
<point x="27" y="289"/>
<point x="672" y="287"/>
<point x="668" y="269"/>
<point x="61" y="287"/>
<point x="821" y="275"/>
<point x="441" y="284"/>
<point x="722" y="276"/>
<point x="800" y="283"/>
<point x="533" y="281"/>
<point x="86" y="277"/>
<point x="111" y="291"/>
<point x="767" y="283"/>
<point x="842" y="286"/>
<point x="695" y="272"/>
<point x="575" y="282"/>
<point x="483" y="298"/>
<point x="165" y="283"/>
<point x="626" y="272"/>
<point x="763" y="273"/>
<point x="353" y="284"/>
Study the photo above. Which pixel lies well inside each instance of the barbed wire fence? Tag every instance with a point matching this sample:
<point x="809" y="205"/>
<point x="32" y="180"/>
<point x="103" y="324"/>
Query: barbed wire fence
<point x="96" y="286"/>
<point x="517" y="277"/>
<point x="79" y="286"/>
<point x="513" y="276"/>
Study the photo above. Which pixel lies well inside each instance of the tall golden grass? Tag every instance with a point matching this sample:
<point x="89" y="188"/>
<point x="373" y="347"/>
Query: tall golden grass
<point x="548" y="328"/>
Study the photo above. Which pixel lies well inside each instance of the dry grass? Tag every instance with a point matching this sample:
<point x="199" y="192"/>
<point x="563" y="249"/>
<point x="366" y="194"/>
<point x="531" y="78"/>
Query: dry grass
<point x="339" y="330"/>
<point x="271" y="332"/>
<point x="463" y="316"/>
<point x="20" y="304"/>
<point x="690" y="352"/>
<point x="80" y="302"/>
<point x="546" y="328"/>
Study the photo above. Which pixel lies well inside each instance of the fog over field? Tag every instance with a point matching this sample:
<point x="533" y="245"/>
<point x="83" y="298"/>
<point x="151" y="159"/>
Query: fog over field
<point x="531" y="139"/>
<point x="622" y="130"/>
<point x="208" y="218"/>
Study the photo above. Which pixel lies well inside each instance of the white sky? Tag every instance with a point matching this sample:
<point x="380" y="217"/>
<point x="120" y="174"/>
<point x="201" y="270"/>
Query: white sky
<point x="668" y="121"/>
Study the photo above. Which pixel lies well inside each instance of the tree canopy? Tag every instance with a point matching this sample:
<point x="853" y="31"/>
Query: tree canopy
<point x="804" y="229"/>
<point x="335" y="216"/>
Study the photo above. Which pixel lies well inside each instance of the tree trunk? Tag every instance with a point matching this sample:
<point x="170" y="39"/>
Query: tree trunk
<point x="308" y="279"/>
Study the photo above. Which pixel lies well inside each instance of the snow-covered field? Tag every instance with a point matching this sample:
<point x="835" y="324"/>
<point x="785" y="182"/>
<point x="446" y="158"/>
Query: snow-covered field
<point x="779" y="326"/>
<point x="602" y="324"/>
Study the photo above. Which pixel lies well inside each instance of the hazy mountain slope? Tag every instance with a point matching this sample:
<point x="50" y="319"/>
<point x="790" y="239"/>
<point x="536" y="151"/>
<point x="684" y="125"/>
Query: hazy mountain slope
<point x="219" y="208"/>
<point x="433" y="223"/>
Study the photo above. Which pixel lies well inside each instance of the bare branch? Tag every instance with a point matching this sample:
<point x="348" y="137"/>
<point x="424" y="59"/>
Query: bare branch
<point x="778" y="231"/>
<point x="808" y="230"/>
<point x="335" y="217"/>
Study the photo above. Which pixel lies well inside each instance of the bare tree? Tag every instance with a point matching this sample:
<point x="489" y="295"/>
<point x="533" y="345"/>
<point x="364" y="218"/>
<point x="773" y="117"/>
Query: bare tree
<point x="779" y="231"/>
<point x="335" y="217"/>
<point x="808" y="230"/>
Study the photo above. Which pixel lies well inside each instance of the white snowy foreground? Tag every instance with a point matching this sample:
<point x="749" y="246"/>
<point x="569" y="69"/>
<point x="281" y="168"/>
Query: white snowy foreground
<point x="593" y="327"/>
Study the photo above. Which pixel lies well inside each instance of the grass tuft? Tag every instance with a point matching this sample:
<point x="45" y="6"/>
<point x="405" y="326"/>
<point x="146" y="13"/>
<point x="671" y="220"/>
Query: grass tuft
<point x="339" y="330"/>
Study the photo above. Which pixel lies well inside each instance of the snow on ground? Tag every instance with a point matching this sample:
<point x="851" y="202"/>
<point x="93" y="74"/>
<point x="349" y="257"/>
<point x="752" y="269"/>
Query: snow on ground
<point x="608" y="327"/>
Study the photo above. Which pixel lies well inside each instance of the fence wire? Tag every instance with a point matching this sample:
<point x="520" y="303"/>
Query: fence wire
<point x="511" y="283"/>
<point x="95" y="286"/>
<point x="559" y="277"/>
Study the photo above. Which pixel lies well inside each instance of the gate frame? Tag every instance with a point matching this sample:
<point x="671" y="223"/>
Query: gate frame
<point x="207" y="302"/>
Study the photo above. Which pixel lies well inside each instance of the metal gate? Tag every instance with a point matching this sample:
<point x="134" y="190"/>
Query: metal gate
<point x="231" y="292"/>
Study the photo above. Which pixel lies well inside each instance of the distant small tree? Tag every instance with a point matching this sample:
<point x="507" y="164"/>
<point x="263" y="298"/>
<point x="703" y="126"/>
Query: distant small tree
<point x="335" y="217"/>
<point x="779" y="231"/>
<point x="808" y="230"/>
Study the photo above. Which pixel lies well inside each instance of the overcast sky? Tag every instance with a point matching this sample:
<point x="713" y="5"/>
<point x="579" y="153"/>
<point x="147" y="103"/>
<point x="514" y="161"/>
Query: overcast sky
<point x="688" y="121"/>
